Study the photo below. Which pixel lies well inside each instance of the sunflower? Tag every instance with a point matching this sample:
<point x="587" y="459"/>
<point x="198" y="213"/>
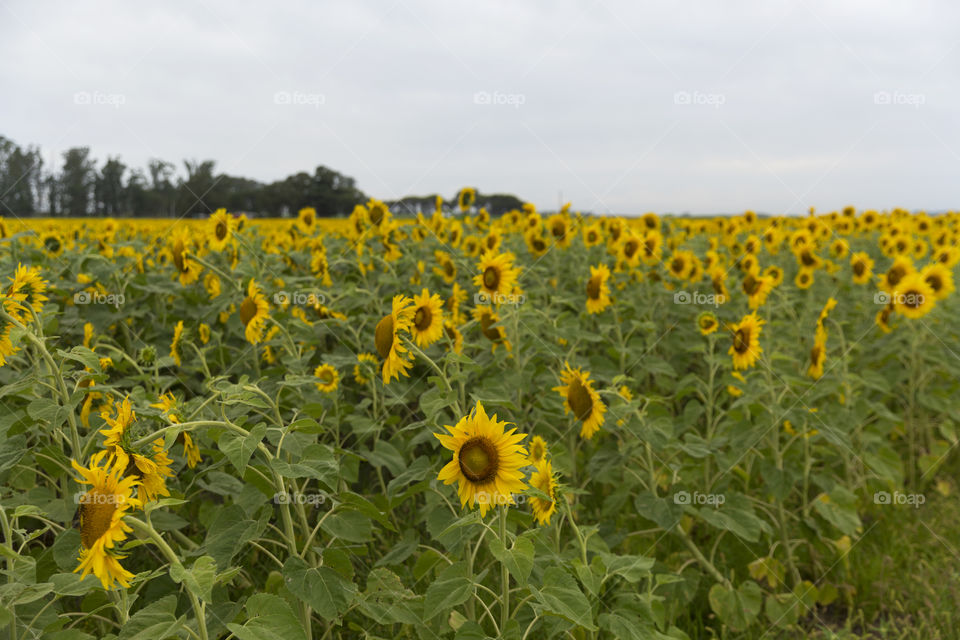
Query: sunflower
<point x="454" y="335"/>
<point x="862" y="265"/>
<point x="775" y="274"/>
<point x="536" y="243"/>
<point x="652" y="247"/>
<point x="204" y="332"/>
<point x="187" y="270"/>
<point x="52" y="243"/>
<point x="87" y="334"/>
<point x="818" y="354"/>
<point x="707" y="322"/>
<point x="190" y="450"/>
<point x="497" y="275"/>
<point x="466" y="198"/>
<point x="901" y="267"/>
<point x="365" y="362"/>
<point x="175" y="350"/>
<point x="598" y="290"/>
<point x="102" y="509"/>
<point x="328" y="377"/>
<point x="718" y="278"/>
<point x="488" y="319"/>
<point x="630" y="248"/>
<point x="804" y="279"/>
<point x="543" y="480"/>
<point x="471" y="246"/>
<point x="26" y="291"/>
<point x="427" y="325"/>
<point x="939" y="278"/>
<point x="254" y="311"/>
<point x="211" y="282"/>
<point x="118" y="418"/>
<point x="559" y="227"/>
<point x="756" y="287"/>
<point x="219" y="229"/>
<point x="746" y="342"/>
<point x="883" y="318"/>
<point x="580" y="398"/>
<point x="445" y="268"/>
<point x="913" y="297"/>
<point x="151" y="471"/>
<point x="452" y="306"/>
<point x="538" y="450"/>
<point x="680" y="265"/>
<point x="486" y="460"/>
<point x="307" y="220"/>
<point x="592" y="235"/>
<point x="396" y="360"/>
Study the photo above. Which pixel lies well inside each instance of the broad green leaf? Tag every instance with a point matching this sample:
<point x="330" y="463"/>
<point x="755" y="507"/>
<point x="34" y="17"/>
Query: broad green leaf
<point x="325" y="590"/>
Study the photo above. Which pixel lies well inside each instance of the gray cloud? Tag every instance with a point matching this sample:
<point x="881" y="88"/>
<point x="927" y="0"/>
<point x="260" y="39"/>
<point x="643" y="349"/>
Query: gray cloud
<point x="623" y="107"/>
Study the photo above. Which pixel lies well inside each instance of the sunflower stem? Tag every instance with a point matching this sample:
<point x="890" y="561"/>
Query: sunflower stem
<point x="504" y="574"/>
<point x="146" y="530"/>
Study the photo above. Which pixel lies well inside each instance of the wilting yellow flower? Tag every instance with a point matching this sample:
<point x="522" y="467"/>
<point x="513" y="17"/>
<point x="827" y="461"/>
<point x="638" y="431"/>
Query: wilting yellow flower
<point x="396" y="358"/>
<point x="486" y="460"/>
<point x="746" y="348"/>
<point x="581" y="399"/>
<point x="175" y="351"/>
<point x="427" y="325"/>
<point x="328" y="378"/>
<point x="598" y="289"/>
<point x="102" y="509"/>
<point x="254" y="311"/>
<point x="542" y="478"/>
<point x="359" y="370"/>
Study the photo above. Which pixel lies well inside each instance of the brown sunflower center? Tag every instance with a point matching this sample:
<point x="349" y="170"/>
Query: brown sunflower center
<point x="741" y="341"/>
<point x="536" y="451"/>
<point x="912" y="299"/>
<point x="677" y="265"/>
<point x="383" y="336"/>
<point x="326" y="377"/>
<point x="593" y="287"/>
<point x="221" y="230"/>
<point x="935" y="282"/>
<point x="558" y="230"/>
<point x="750" y="284"/>
<point x="578" y="397"/>
<point x="815" y="354"/>
<point x="807" y="259"/>
<point x="859" y="268"/>
<point x="423" y="318"/>
<point x="539" y="245"/>
<point x="376" y="215"/>
<point x="706" y="323"/>
<point x="591" y="236"/>
<point x="52" y="244"/>
<point x="479" y="460"/>
<point x="630" y="248"/>
<point x="491" y="278"/>
<point x="96" y="515"/>
<point x="248" y="309"/>
<point x="895" y="274"/>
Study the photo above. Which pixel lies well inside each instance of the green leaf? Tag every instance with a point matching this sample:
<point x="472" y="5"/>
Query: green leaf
<point x="387" y="601"/>
<point x="269" y="618"/>
<point x="325" y="590"/>
<point x="156" y="620"/>
<point x="632" y="568"/>
<point x="451" y="588"/>
<point x="739" y="607"/>
<point x="200" y="578"/>
<point x="518" y="558"/>
<point x="351" y="526"/>
<point x="238" y="448"/>
<point x="561" y="596"/>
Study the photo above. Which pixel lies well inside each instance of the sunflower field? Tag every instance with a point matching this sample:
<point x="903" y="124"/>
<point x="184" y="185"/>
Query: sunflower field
<point x="466" y="427"/>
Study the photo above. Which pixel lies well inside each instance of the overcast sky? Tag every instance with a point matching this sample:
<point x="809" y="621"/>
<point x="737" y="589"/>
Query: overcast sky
<point x="622" y="107"/>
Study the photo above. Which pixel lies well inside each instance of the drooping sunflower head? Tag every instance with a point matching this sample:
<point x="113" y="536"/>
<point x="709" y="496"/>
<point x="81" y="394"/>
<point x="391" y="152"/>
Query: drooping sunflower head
<point x="454" y="336"/>
<point x="328" y="378"/>
<point x="102" y="509"/>
<point x="598" y="289"/>
<point x="543" y="479"/>
<point x="707" y="322"/>
<point x="254" y="311"/>
<point x="427" y="325"/>
<point x="581" y="399"/>
<point x="487" y="459"/>
<point x="119" y="417"/>
<point x="818" y="355"/>
<point x="746" y="348"/>
<point x="396" y="359"/>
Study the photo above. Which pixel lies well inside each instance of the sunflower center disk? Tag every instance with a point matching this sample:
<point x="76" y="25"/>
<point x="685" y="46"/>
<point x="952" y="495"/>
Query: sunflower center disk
<point x="579" y="400"/>
<point x="423" y="319"/>
<point x="383" y="336"/>
<point x="593" y="288"/>
<point x="750" y="285"/>
<point x="478" y="460"/>
<point x="741" y="341"/>
<point x="96" y="515"/>
<point x="221" y="231"/>
<point x="248" y="309"/>
<point x="491" y="278"/>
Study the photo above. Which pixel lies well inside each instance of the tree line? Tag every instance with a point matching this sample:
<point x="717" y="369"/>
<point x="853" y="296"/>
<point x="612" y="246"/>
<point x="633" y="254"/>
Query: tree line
<point x="81" y="187"/>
